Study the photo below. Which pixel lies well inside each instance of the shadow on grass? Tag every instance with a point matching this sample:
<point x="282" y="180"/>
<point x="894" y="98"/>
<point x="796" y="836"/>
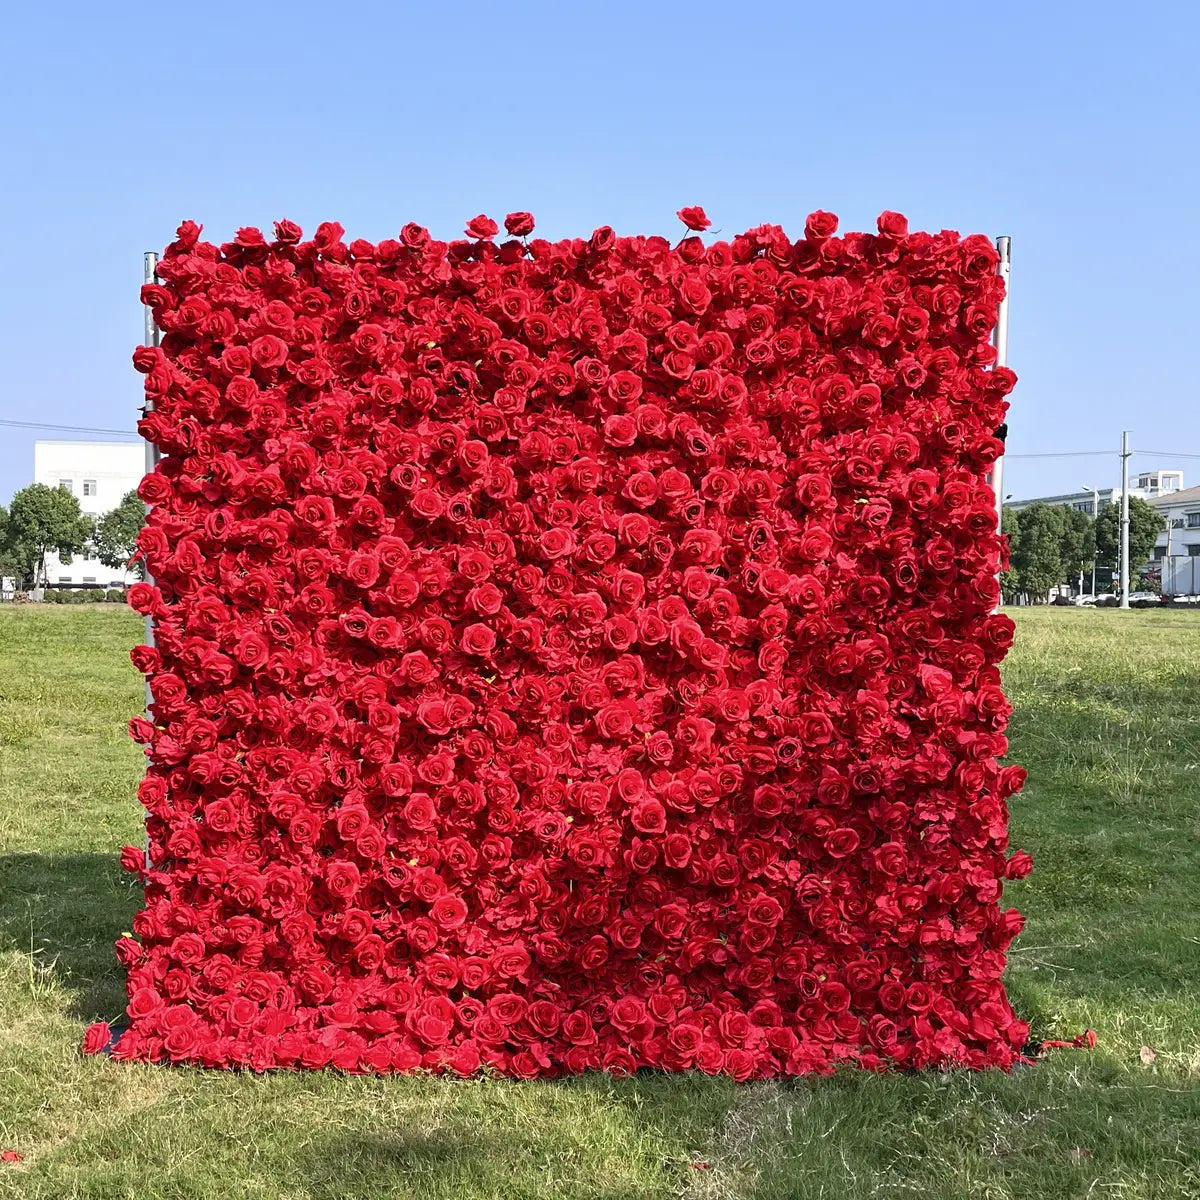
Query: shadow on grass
<point x="67" y="910"/>
<point x="444" y="1163"/>
<point x="591" y="1136"/>
<point x="350" y="1164"/>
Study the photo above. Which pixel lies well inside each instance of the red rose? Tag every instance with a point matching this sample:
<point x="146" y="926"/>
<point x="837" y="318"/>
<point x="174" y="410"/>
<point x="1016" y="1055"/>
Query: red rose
<point x="482" y="227"/>
<point x="288" y="232"/>
<point x="1019" y="865"/>
<point x="97" y="1037"/>
<point x="478" y="639"/>
<point x="427" y="503"/>
<point x="649" y="816"/>
<point x="420" y="812"/>
<point x="142" y="597"/>
<point x="269" y="351"/>
<point x="342" y="879"/>
<point x="892" y="224"/>
<point x="519" y="224"/>
<point x="694" y="218"/>
<point x="133" y="860"/>
<point x="841" y="842"/>
<point x="449" y="912"/>
<point x="820" y="225"/>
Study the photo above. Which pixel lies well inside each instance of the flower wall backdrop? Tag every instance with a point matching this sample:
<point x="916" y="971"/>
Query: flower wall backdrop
<point x="574" y="655"/>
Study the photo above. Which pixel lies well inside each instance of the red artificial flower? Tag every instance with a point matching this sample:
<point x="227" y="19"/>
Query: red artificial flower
<point x="694" y="217"/>
<point x="519" y="224"/>
<point x="133" y="860"/>
<point x="97" y="1037"/>
<point x="820" y="224"/>
<point x="482" y="227"/>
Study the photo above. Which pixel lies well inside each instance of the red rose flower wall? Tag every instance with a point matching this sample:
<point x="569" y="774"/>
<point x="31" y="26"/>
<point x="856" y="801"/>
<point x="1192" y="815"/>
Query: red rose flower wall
<point x="574" y="655"/>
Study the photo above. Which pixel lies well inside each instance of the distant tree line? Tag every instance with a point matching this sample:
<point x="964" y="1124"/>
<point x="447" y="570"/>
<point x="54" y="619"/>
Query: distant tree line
<point x="45" y="520"/>
<point x="1052" y="544"/>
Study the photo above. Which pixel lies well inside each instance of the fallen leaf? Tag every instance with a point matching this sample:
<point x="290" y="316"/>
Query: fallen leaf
<point x="700" y="1166"/>
<point x="1079" y="1154"/>
<point x="1147" y="1055"/>
<point x="11" y="1156"/>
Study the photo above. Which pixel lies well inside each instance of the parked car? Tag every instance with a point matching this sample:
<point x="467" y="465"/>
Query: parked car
<point x="1084" y="601"/>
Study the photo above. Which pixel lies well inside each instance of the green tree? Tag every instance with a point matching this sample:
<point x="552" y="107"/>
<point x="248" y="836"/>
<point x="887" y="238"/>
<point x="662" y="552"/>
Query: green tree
<point x="42" y="519"/>
<point x="116" y="533"/>
<point x="1145" y="524"/>
<point x="10" y="567"/>
<point x="1010" y="527"/>
<point x="1078" y="544"/>
<point x="1038" y="554"/>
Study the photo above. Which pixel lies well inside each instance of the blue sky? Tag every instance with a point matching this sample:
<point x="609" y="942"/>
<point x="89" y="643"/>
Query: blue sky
<point x="1071" y="127"/>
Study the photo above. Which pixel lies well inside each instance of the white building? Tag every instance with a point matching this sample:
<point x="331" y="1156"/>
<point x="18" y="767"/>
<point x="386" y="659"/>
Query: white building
<point x="1149" y="485"/>
<point x="100" y="475"/>
<point x="1177" y="553"/>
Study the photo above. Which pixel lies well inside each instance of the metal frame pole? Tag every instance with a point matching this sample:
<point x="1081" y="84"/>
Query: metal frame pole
<point x="1000" y="341"/>
<point x="151" y="337"/>
<point x="1125" y="453"/>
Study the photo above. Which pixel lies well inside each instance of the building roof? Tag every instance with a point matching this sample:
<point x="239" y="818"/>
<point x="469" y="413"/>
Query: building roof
<point x="1170" y="499"/>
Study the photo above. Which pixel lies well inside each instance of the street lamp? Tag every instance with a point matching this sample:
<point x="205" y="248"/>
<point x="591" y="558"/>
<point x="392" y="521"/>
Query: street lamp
<point x="1095" y="516"/>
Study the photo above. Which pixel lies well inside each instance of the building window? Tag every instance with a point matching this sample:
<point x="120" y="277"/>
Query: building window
<point x="1084" y="506"/>
<point x="1194" y="550"/>
<point x="64" y="579"/>
<point x="1193" y="520"/>
<point x="89" y="487"/>
<point x="69" y="484"/>
<point x="89" y="579"/>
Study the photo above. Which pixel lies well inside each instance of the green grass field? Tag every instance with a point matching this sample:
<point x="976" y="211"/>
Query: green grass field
<point x="1108" y="723"/>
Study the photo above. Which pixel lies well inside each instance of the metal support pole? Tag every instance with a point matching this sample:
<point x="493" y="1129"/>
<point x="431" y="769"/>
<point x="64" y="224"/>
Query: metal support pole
<point x="1125" y="453"/>
<point x="151" y="338"/>
<point x="1000" y="340"/>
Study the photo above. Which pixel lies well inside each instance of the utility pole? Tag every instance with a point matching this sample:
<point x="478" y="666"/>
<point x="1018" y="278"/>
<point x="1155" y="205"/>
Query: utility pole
<point x="1125" y="453"/>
